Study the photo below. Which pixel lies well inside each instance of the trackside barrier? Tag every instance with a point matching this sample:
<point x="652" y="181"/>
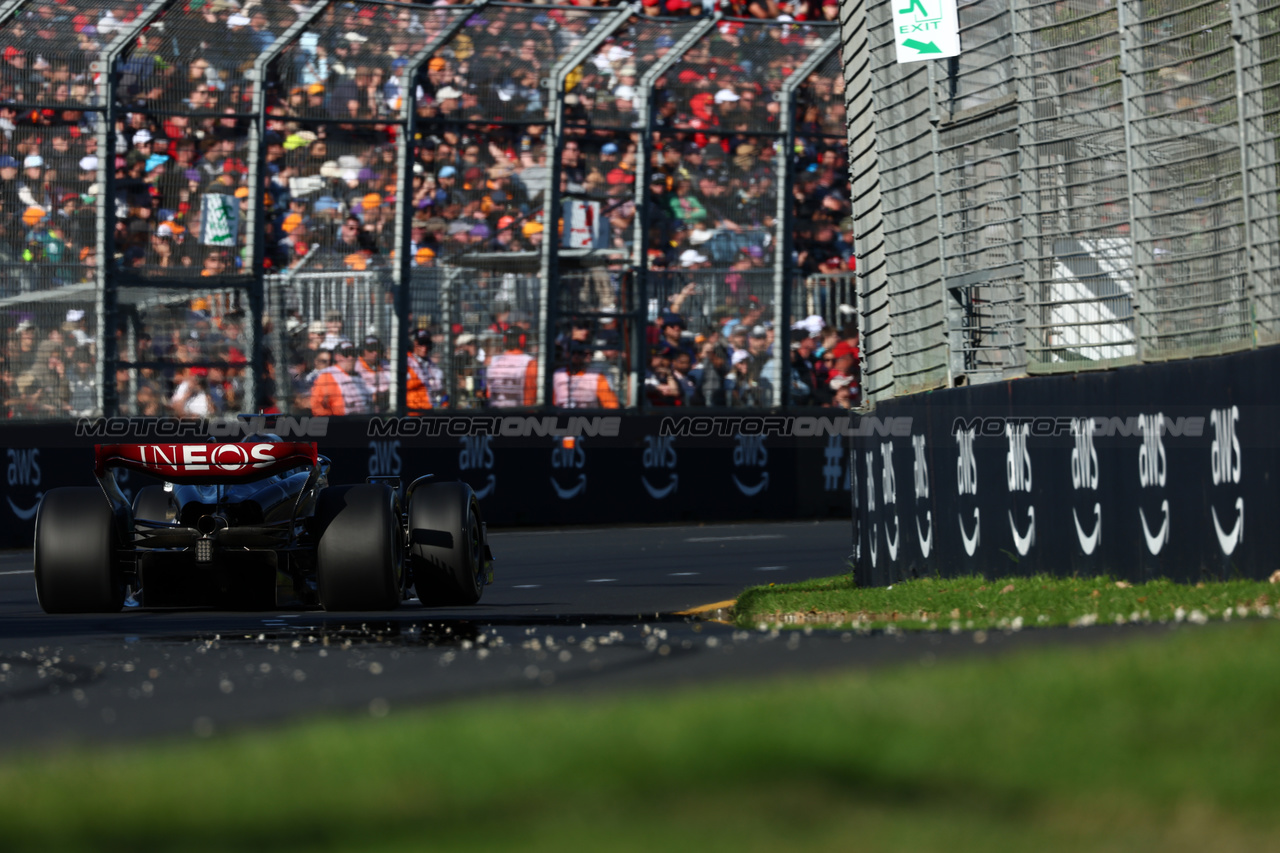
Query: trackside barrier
<point x="588" y="468"/>
<point x="1087" y="474"/>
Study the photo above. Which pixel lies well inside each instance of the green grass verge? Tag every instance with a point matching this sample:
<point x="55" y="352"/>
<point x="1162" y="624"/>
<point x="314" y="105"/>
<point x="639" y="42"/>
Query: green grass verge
<point x="1162" y="743"/>
<point x="974" y="602"/>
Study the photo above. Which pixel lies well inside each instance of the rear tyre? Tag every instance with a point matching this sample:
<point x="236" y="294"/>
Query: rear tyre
<point x="359" y="558"/>
<point x="153" y="503"/>
<point x="446" y="544"/>
<point x="77" y="559"/>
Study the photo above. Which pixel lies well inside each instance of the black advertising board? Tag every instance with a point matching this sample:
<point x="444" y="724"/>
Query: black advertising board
<point x="1161" y="470"/>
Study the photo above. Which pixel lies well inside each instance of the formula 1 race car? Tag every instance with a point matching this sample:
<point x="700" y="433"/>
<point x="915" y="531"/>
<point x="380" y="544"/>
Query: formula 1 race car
<point x="254" y="524"/>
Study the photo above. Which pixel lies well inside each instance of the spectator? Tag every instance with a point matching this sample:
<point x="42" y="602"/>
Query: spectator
<point x="425" y="380"/>
<point x="376" y="373"/>
<point x="333" y="324"/>
<point x="843" y="396"/>
<point x="576" y="388"/>
<point x="338" y="389"/>
<point x="661" y="386"/>
<point x="803" y="378"/>
<point x="712" y="376"/>
<point x="681" y="366"/>
<point x="191" y="397"/>
<point x="512" y="377"/>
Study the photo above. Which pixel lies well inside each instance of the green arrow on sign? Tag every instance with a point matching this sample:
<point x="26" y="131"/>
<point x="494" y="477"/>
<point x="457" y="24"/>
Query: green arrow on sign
<point x="922" y="47"/>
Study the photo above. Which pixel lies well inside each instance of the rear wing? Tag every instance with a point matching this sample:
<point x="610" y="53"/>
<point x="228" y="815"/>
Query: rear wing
<point x="205" y="463"/>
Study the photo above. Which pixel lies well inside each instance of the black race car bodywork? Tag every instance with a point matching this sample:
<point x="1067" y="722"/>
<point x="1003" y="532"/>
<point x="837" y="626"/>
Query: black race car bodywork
<point x="254" y="524"/>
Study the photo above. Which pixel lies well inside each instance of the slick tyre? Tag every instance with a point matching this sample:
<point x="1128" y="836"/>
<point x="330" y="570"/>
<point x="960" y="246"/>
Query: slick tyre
<point x="77" y="559"/>
<point x="359" y="558"/>
<point x="153" y="503"/>
<point x="446" y="544"/>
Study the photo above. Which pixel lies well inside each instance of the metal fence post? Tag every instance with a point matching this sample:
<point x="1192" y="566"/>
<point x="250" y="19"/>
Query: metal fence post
<point x="107" y="301"/>
<point x="784" y="268"/>
<point x="1240" y="45"/>
<point x="1029" y="183"/>
<point x="402" y="270"/>
<point x="1141" y="266"/>
<point x="256" y="228"/>
<point x="644" y="155"/>
<point x="864" y="174"/>
<point x="1260" y="159"/>
<point x="549" y="267"/>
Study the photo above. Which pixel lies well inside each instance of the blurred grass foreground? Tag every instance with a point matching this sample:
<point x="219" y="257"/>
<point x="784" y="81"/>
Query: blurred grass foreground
<point x="1162" y="741"/>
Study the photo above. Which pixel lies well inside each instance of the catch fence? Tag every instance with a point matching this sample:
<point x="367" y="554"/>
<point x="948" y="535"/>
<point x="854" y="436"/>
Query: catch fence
<point x="209" y="200"/>
<point x="1090" y="183"/>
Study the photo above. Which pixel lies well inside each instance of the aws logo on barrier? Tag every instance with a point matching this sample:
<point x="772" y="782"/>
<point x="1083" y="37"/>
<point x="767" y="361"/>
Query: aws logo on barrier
<point x="24" y="470"/>
<point x="873" y="539"/>
<point x="889" y="489"/>
<point x="384" y="458"/>
<point x="1018" y="469"/>
<point x="967" y="484"/>
<point x="477" y="455"/>
<point x="920" y="468"/>
<point x="1224" y="457"/>
<point x="751" y="453"/>
<point x="659" y="455"/>
<point x="1084" y="475"/>
<point x="569" y="455"/>
<point x="1153" y="472"/>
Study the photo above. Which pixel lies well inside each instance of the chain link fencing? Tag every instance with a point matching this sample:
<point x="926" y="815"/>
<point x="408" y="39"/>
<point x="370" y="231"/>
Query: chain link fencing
<point x="211" y="200"/>
<point x="1088" y="184"/>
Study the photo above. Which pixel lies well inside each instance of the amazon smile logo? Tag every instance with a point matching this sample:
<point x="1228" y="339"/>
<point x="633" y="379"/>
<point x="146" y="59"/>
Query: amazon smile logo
<point x="1224" y="459"/>
<point x="477" y="455"/>
<point x="873" y="536"/>
<point x="659" y="455"/>
<point x="1084" y="475"/>
<point x="890" y="491"/>
<point x="750" y="452"/>
<point x="1018" y="469"/>
<point x="1153" y="473"/>
<point x="24" y="470"/>
<point x="967" y="484"/>
<point x="920" y="468"/>
<point x="569" y="454"/>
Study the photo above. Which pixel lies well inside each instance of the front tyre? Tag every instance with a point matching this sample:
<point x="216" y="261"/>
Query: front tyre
<point x="359" y="558"/>
<point x="77" y="559"/>
<point x="446" y="544"/>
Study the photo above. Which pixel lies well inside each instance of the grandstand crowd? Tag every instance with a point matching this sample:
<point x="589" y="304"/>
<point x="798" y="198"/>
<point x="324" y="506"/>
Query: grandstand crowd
<point x="479" y="175"/>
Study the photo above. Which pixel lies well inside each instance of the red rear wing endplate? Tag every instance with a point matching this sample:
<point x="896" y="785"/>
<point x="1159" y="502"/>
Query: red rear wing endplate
<point x="205" y="463"/>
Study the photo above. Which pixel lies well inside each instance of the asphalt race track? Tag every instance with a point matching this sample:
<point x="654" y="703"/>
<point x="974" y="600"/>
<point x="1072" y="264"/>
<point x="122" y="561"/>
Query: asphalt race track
<point x="578" y="609"/>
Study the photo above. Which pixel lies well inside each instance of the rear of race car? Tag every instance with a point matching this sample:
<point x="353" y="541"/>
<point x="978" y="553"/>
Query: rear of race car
<point x="227" y="526"/>
<point x="255" y="525"/>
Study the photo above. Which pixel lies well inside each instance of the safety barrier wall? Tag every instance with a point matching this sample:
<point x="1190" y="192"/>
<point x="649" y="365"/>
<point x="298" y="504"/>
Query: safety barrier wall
<point x="1089" y="184"/>
<point x="1120" y="472"/>
<point x="607" y="469"/>
<point x="196" y="184"/>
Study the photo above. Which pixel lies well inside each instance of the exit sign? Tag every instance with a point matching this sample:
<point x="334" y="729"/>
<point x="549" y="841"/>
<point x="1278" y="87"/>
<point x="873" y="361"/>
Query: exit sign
<point x="925" y="29"/>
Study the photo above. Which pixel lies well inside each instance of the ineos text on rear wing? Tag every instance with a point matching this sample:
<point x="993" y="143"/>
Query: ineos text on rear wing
<point x="205" y="463"/>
